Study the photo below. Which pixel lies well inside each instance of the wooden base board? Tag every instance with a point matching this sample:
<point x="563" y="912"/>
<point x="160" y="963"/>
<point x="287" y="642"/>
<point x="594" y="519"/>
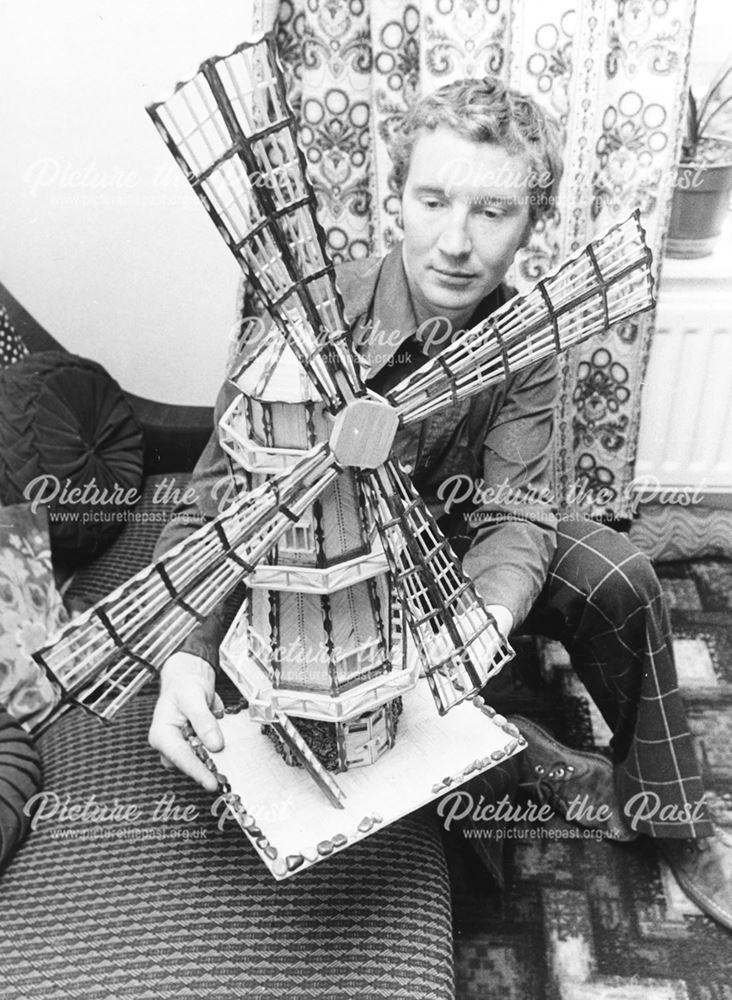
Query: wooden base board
<point x="292" y="825"/>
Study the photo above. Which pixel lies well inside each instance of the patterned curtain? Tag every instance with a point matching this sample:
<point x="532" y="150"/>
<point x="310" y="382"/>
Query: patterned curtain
<point x="613" y="72"/>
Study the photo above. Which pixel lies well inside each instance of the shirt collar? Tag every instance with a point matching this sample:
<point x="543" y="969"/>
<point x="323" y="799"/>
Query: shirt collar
<point x="392" y="321"/>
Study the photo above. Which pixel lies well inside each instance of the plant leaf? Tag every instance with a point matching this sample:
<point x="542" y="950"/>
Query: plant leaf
<point x="705" y="124"/>
<point x="692" y="123"/>
<point x="711" y="93"/>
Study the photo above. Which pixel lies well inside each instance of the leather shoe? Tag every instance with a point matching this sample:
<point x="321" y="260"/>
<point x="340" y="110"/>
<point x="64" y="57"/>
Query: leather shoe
<point x="703" y="869"/>
<point x="579" y="785"/>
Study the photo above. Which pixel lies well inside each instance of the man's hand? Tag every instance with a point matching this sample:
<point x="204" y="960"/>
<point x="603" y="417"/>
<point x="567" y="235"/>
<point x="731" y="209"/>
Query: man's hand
<point x="504" y="618"/>
<point x="186" y="695"/>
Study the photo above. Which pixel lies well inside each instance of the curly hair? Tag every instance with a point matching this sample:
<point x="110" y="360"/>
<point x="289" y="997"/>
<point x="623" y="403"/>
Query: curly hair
<point x="486" y="110"/>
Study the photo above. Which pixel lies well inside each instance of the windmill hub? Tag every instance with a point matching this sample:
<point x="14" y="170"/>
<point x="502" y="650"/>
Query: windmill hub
<point x="363" y="433"/>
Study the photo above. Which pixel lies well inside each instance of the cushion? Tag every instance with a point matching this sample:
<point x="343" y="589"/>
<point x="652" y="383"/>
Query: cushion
<point x="69" y="439"/>
<point x="31" y="610"/>
<point x="20" y="779"/>
<point x="12" y="348"/>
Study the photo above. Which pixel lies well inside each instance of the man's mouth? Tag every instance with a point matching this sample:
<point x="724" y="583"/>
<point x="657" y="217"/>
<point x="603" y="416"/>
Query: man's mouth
<point x="453" y="274"/>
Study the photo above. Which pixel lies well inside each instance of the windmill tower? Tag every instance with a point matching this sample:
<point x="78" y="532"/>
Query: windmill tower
<point x="344" y="562"/>
<point x="318" y="637"/>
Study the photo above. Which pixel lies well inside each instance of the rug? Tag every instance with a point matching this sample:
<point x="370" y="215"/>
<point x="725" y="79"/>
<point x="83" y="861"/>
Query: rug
<point x="594" y="920"/>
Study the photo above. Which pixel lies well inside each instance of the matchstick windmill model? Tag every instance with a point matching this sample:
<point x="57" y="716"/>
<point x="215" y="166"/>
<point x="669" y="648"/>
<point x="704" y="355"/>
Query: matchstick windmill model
<point x="348" y="574"/>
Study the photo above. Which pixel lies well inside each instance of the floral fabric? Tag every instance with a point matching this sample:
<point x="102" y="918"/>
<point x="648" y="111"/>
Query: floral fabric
<point x="12" y="348"/>
<point x="612" y="71"/>
<point x="31" y="610"/>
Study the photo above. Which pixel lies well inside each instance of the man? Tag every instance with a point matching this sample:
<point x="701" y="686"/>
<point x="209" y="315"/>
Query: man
<point x="477" y="165"/>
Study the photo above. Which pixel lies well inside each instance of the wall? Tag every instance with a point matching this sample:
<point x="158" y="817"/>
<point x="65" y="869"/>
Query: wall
<point x="711" y="46"/>
<point x="101" y="238"/>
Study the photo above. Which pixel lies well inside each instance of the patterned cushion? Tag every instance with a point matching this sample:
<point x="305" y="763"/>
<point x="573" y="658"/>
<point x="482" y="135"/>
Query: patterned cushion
<point x="20" y="779"/>
<point x="178" y="908"/>
<point x="31" y="610"/>
<point x="12" y="348"/>
<point x="69" y="439"/>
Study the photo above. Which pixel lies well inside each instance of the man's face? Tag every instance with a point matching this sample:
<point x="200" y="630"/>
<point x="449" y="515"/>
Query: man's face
<point x="465" y="211"/>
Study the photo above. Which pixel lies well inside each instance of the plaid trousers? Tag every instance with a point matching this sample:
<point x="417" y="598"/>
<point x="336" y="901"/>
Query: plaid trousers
<point x="604" y="603"/>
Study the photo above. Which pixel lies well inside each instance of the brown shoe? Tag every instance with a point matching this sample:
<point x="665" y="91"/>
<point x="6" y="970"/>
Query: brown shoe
<point x="575" y="783"/>
<point x="703" y="869"/>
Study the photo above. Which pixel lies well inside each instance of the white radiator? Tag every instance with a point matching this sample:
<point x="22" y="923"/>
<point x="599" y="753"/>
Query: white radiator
<point x="686" y="416"/>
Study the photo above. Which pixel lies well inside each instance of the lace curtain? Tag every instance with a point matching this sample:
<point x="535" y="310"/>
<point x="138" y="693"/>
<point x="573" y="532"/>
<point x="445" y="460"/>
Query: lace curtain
<point x="613" y="72"/>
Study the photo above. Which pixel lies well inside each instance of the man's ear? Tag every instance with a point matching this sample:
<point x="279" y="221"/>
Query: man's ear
<point x="526" y="235"/>
<point x="400" y="211"/>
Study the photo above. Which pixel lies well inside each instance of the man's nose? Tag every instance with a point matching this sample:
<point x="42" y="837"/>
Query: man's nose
<point x="454" y="239"/>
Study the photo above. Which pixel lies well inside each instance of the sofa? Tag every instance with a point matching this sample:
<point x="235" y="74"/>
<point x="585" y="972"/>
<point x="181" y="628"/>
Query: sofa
<point x="128" y="886"/>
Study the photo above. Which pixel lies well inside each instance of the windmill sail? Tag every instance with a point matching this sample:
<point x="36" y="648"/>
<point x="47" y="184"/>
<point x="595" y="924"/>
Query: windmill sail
<point x="103" y="657"/>
<point x="609" y="281"/>
<point x="233" y="134"/>
<point x="459" y="645"/>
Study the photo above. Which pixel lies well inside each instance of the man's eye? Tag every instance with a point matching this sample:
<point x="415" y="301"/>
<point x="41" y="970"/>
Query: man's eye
<point x="432" y="202"/>
<point x="491" y="213"/>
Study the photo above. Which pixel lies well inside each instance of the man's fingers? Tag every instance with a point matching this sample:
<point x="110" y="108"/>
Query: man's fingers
<point x="204" y="724"/>
<point x="167" y="764"/>
<point x="176" y="752"/>
<point x="186" y="691"/>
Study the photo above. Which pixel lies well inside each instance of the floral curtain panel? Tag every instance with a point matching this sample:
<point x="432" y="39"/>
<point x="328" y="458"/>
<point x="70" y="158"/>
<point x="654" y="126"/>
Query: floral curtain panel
<point x="613" y="72"/>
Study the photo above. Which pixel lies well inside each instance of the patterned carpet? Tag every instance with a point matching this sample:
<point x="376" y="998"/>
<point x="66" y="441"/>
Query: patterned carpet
<point x="589" y="920"/>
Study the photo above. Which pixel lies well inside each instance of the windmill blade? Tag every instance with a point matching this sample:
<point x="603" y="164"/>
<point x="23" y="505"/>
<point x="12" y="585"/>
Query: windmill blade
<point x="232" y="132"/>
<point x="457" y="639"/>
<point x="103" y="657"/>
<point x="609" y="281"/>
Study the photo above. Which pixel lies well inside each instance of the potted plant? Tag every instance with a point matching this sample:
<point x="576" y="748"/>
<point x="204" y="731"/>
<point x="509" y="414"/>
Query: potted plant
<point x="704" y="178"/>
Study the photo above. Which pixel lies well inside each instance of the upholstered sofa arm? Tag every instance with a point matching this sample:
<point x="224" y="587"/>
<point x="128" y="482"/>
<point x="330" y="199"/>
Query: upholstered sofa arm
<point x="163" y="905"/>
<point x="161" y="902"/>
<point x="174" y="435"/>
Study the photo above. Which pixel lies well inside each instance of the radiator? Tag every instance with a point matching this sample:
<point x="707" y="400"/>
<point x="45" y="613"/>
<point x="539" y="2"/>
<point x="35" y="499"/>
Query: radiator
<point x="686" y="417"/>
